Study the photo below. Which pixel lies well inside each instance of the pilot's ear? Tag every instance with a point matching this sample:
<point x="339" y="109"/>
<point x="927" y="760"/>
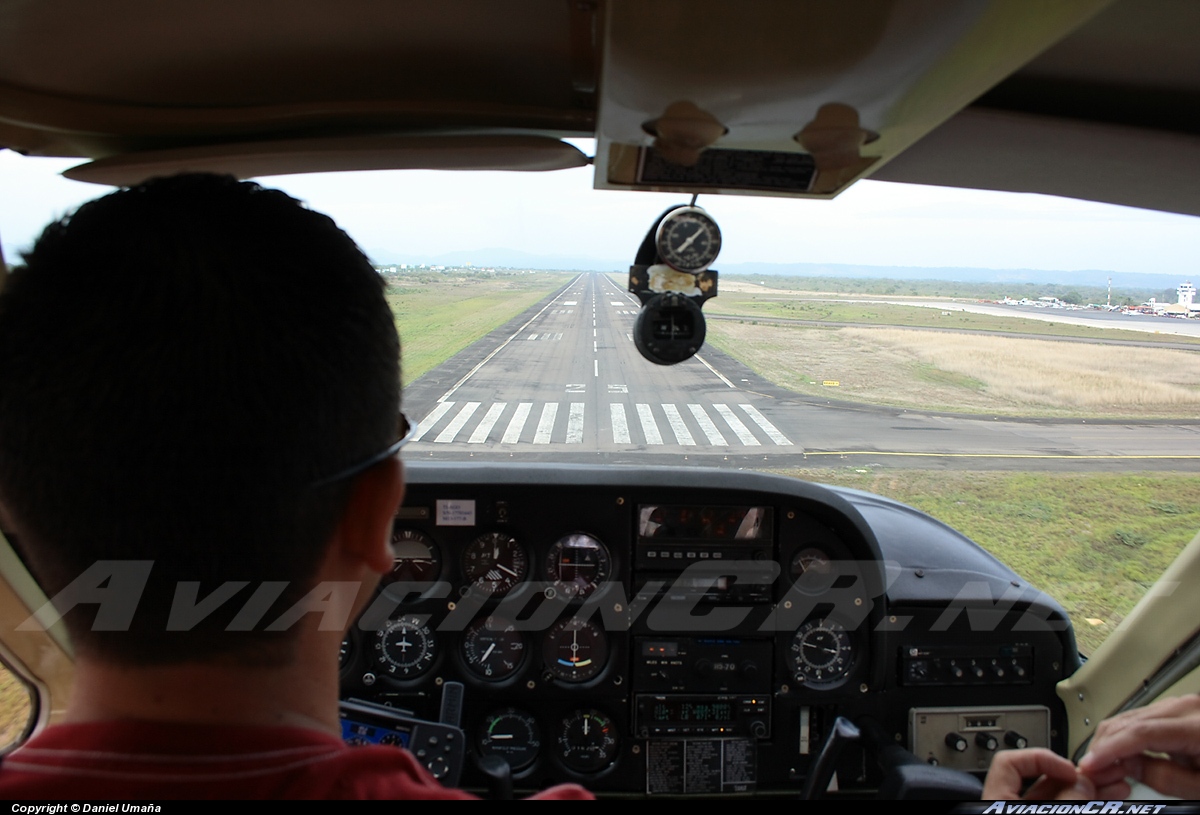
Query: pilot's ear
<point x="365" y="531"/>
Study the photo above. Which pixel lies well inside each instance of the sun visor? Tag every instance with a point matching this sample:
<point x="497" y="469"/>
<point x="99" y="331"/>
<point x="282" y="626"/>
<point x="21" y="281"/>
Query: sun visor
<point x="793" y="99"/>
<point x="254" y="159"/>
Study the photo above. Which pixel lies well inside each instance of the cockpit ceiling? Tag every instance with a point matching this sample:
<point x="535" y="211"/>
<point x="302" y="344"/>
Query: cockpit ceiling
<point x="1084" y="98"/>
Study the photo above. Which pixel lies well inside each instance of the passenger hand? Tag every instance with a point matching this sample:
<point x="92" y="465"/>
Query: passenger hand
<point x="1169" y="727"/>
<point x="1056" y="777"/>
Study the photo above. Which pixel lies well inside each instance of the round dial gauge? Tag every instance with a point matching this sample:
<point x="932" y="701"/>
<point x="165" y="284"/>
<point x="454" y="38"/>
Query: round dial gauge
<point x="587" y="741"/>
<point x="577" y="565"/>
<point x="415" y="558"/>
<point x="821" y="654"/>
<point x="405" y="648"/>
<point x="575" y="650"/>
<point x="512" y="735"/>
<point x="812" y="570"/>
<point x="346" y="654"/>
<point x="493" y="648"/>
<point x="688" y="239"/>
<point x="495" y="563"/>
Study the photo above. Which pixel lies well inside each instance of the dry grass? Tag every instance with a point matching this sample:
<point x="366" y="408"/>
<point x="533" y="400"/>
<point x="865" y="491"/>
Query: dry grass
<point x="977" y="374"/>
<point x="15" y="709"/>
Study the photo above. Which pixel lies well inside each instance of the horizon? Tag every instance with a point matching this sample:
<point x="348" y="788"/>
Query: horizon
<point x="416" y="214"/>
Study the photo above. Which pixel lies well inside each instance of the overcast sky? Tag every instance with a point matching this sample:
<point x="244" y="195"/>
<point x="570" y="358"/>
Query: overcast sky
<point x="874" y="223"/>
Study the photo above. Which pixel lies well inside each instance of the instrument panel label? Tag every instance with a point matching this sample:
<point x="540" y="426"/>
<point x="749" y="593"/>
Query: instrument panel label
<point x="454" y="512"/>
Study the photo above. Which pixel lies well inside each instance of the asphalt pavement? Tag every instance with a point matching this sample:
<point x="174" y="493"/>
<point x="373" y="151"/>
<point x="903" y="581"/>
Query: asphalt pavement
<point x="563" y="382"/>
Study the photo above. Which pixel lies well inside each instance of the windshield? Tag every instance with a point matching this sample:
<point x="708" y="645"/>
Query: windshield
<point x="1024" y="368"/>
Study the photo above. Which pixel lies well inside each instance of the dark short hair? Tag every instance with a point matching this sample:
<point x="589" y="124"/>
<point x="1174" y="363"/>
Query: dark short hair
<point x="179" y="362"/>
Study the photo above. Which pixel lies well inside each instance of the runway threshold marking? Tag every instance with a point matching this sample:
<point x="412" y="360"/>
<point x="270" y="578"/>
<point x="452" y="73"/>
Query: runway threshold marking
<point x="489" y="421"/>
<point x="649" y="426"/>
<point x="675" y="420"/>
<point x="512" y="434"/>
<point x="706" y="424"/>
<point x="429" y="421"/>
<point x="575" y="424"/>
<point x="546" y="424"/>
<point x="735" y="424"/>
<point x="457" y="423"/>
<point x="762" y="421"/>
<point x="620" y="427"/>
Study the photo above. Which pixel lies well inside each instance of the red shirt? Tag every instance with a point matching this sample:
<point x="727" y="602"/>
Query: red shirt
<point x="146" y="760"/>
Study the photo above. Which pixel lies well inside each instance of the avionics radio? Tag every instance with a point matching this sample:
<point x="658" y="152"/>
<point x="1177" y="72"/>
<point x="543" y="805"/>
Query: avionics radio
<point x="673" y="538"/>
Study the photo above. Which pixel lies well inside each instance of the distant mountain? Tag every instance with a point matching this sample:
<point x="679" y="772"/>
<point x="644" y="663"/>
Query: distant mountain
<point x="511" y="258"/>
<point x="960" y="274"/>
<point x="514" y="258"/>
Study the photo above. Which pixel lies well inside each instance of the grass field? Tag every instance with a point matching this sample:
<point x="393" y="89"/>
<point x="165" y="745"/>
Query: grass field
<point x="803" y="306"/>
<point x="14" y="708"/>
<point x="439" y="315"/>
<point x="1092" y="541"/>
<point x="930" y="370"/>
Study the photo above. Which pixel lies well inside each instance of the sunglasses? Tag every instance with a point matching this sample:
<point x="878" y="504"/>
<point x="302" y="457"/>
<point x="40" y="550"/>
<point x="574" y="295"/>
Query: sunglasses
<point x="406" y="430"/>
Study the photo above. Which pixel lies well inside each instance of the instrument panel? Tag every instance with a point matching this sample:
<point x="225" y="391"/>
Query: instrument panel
<point x="658" y="632"/>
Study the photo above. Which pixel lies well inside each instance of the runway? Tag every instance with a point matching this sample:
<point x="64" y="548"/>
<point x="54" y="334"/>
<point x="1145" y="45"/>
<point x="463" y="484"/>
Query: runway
<point x="563" y="382"/>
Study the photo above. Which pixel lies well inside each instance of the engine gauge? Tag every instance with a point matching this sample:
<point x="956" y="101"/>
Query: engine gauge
<point x="587" y="741"/>
<point x="577" y="565"/>
<point x="812" y="570"/>
<point x="346" y="654"/>
<point x="416" y="558"/>
<point x="511" y="734"/>
<point x="493" y="648"/>
<point x="495" y="563"/>
<point x="575" y="650"/>
<point x="821" y="654"/>
<point x="405" y="648"/>
<point x="688" y="239"/>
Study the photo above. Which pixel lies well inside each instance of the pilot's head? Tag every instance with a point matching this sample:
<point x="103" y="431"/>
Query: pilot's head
<point x="186" y="367"/>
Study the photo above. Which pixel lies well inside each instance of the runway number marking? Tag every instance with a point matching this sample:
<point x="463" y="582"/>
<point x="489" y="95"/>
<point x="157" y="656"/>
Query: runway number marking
<point x="577" y="387"/>
<point x="618" y="389"/>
